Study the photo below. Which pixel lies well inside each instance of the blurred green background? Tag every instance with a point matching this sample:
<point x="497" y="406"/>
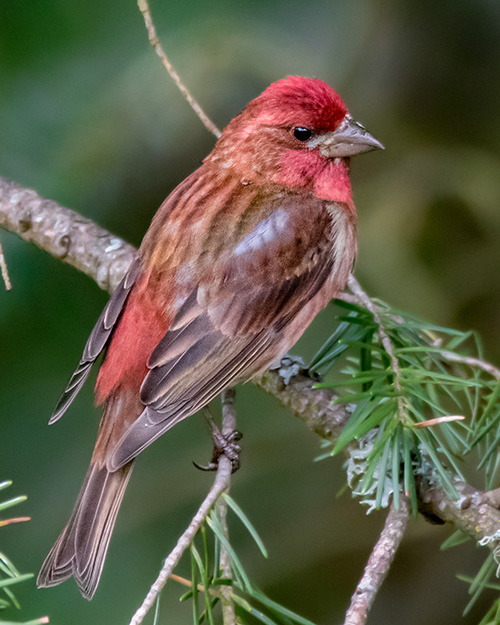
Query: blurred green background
<point x="89" y="118"/>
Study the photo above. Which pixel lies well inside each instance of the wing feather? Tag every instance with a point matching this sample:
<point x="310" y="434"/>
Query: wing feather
<point x="152" y="423"/>
<point x="97" y="340"/>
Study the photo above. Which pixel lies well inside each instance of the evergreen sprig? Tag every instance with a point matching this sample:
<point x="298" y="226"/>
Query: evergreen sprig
<point x="207" y="580"/>
<point x="485" y="577"/>
<point x="408" y="403"/>
<point x="9" y="574"/>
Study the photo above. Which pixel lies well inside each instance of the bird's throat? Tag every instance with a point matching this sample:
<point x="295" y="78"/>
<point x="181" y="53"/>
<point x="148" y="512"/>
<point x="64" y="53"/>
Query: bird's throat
<point x="328" y="179"/>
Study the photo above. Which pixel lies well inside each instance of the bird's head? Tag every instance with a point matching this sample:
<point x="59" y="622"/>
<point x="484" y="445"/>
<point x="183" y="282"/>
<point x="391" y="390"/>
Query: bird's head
<point x="291" y="132"/>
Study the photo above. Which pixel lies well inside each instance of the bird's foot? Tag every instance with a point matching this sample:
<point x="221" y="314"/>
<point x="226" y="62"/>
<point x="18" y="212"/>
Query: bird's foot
<point x="223" y="446"/>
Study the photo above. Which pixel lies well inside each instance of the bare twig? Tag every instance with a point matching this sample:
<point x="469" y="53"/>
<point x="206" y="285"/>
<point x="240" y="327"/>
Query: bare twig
<point x="228" y="428"/>
<point x="228" y="412"/>
<point x="295" y="389"/>
<point x="493" y="498"/>
<point x="378" y="564"/>
<point x="472" y="362"/>
<point x="155" y="42"/>
<point x="365" y="301"/>
<point x="4" y="270"/>
<point x="220" y="485"/>
<point x="360" y="297"/>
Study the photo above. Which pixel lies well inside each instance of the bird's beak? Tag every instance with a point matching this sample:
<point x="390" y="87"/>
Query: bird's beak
<point x="349" y="139"/>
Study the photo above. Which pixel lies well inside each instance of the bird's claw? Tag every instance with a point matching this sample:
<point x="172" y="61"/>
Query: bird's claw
<point x="211" y="466"/>
<point x="223" y="446"/>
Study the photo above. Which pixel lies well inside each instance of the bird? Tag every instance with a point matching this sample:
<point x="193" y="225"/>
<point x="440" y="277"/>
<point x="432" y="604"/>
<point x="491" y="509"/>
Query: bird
<point x="235" y="265"/>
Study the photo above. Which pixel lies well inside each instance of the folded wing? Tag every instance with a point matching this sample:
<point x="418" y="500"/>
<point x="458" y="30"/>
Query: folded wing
<point x="231" y="324"/>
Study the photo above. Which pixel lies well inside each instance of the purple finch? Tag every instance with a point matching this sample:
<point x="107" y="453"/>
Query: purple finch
<point x="237" y="262"/>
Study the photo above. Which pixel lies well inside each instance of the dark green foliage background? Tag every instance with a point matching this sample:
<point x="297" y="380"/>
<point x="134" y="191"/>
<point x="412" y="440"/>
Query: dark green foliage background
<point x="89" y="118"/>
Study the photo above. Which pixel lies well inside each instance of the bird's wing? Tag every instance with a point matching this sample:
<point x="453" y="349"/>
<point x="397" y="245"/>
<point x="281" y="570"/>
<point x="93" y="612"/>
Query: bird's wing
<point x="230" y="324"/>
<point x="97" y="340"/>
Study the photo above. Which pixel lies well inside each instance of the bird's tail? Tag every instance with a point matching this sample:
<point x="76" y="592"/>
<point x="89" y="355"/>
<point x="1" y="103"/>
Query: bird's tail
<point x="81" y="548"/>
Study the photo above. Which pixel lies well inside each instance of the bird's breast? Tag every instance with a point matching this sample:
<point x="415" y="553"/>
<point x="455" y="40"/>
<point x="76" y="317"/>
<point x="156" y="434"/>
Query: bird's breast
<point x="343" y="243"/>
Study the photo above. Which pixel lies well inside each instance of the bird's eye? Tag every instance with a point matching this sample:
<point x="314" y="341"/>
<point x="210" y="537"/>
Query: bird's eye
<point x="302" y="134"/>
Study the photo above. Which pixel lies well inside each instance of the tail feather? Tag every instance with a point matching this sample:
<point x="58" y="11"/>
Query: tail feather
<point x="81" y="547"/>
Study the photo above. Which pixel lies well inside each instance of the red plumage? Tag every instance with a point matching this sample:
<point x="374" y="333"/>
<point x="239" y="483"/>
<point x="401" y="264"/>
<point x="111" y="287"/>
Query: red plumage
<point x="311" y="100"/>
<point x="139" y="329"/>
<point x="237" y="262"/>
<point x="330" y="182"/>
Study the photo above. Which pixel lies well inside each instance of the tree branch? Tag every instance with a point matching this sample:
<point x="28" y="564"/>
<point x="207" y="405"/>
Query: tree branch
<point x="378" y="564"/>
<point x="64" y="234"/>
<point x="104" y="257"/>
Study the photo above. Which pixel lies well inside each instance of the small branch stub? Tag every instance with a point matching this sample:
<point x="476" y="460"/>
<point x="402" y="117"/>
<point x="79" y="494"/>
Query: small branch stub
<point x="438" y="420"/>
<point x="4" y="270"/>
